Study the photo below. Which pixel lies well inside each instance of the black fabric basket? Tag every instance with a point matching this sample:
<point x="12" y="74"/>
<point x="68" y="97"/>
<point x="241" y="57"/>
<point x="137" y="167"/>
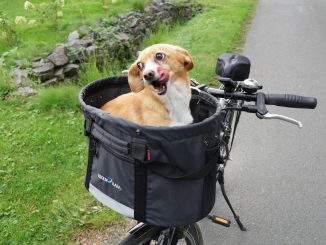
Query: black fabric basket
<point x="163" y="176"/>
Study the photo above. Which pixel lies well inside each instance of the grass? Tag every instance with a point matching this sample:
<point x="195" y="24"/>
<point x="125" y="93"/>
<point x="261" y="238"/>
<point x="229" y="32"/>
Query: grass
<point x="210" y="34"/>
<point x="43" y="151"/>
<point x="91" y="72"/>
<point x="6" y="84"/>
<point x="62" y="97"/>
<point x="43" y="155"/>
<point x="37" y="40"/>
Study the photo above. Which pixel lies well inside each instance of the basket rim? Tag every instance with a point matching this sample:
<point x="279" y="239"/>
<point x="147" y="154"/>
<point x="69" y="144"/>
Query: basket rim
<point x="106" y="117"/>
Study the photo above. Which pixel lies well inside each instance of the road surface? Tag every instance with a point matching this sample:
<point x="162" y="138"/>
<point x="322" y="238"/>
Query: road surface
<point x="277" y="179"/>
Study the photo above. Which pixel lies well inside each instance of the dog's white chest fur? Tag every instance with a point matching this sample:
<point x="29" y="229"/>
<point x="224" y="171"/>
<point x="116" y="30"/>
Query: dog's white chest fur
<point x="177" y="100"/>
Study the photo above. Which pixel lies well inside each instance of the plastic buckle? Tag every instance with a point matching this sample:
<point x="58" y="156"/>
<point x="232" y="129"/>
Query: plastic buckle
<point x="138" y="151"/>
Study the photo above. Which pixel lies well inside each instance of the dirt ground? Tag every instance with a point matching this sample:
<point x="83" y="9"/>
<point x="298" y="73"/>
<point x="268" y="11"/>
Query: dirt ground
<point x="110" y="236"/>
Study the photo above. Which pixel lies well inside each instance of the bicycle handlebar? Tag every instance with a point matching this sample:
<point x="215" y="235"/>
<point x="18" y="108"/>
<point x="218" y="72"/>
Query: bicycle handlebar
<point x="290" y="100"/>
<point x="285" y="100"/>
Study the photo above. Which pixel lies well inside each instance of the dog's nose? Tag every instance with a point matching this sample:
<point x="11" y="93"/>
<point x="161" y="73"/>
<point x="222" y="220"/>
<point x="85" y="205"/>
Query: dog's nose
<point x="149" y="75"/>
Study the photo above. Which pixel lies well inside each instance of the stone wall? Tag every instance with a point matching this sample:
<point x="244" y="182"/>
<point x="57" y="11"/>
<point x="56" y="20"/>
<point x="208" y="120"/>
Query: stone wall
<point x="116" y="39"/>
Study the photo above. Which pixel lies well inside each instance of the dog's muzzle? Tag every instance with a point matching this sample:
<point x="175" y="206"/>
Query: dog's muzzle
<point x="159" y="81"/>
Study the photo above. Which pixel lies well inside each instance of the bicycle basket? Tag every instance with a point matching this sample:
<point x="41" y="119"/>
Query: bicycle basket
<point x="163" y="176"/>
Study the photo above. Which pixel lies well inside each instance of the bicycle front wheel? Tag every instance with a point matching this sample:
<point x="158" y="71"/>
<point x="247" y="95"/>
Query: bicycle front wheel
<point x="191" y="236"/>
<point x="151" y="235"/>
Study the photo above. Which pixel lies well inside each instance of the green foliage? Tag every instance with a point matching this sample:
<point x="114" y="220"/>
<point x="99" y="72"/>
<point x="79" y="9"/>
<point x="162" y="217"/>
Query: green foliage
<point x="139" y="6"/>
<point x="7" y="31"/>
<point x="6" y="84"/>
<point x="38" y="38"/>
<point x="51" y="11"/>
<point x="42" y="166"/>
<point x="219" y="29"/>
<point x="159" y="35"/>
<point x="60" y="97"/>
<point x="94" y="69"/>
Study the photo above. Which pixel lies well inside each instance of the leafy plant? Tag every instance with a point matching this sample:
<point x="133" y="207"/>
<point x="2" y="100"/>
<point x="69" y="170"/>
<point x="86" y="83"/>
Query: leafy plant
<point x="61" y="97"/>
<point x="7" y="30"/>
<point x="48" y="11"/>
<point x="94" y="69"/>
<point x="6" y="84"/>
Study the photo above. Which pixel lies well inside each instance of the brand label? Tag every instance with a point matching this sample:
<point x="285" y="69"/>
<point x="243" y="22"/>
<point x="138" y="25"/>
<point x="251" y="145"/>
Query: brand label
<point x="110" y="181"/>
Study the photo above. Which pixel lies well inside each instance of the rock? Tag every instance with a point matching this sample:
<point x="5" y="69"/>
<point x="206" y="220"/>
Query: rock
<point x="20" y="76"/>
<point x="91" y="50"/>
<point x="37" y="64"/>
<point x="21" y="63"/>
<point x="26" y="91"/>
<point x="187" y="12"/>
<point x="76" y="44"/>
<point x="59" y="74"/>
<point x="77" y="56"/>
<point x="123" y="36"/>
<point x="44" y="70"/>
<point x="163" y="15"/>
<point x="59" y="56"/>
<point x="95" y="35"/>
<point x="73" y="36"/>
<point x="51" y="81"/>
<point x="140" y="29"/>
<point x="134" y="23"/>
<point x="71" y="70"/>
<point x="36" y="59"/>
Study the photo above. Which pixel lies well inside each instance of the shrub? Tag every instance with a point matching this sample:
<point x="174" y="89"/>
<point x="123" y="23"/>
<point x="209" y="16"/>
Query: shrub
<point x="7" y="31"/>
<point x="61" y="97"/>
<point x="6" y="84"/>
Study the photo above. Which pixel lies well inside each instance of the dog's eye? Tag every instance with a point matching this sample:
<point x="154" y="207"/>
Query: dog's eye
<point x="160" y="56"/>
<point x="140" y="66"/>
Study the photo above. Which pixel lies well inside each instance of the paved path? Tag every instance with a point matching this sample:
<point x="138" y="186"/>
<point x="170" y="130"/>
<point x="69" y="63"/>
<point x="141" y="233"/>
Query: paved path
<point x="277" y="179"/>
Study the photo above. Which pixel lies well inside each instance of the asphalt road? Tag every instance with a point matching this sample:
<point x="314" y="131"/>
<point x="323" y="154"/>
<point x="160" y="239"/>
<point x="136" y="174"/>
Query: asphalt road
<point x="277" y="179"/>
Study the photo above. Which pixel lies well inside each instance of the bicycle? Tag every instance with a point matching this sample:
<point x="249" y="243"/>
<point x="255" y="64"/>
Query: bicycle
<point x="235" y="90"/>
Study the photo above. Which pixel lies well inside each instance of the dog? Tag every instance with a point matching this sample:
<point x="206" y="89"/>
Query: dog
<point x="160" y="88"/>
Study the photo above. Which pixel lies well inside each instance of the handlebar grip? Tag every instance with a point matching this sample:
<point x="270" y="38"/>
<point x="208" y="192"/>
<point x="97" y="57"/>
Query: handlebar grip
<point x="290" y="100"/>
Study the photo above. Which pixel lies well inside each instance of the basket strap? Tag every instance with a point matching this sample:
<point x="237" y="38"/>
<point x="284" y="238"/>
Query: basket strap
<point x="88" y="125"/>
<point x="138" y="151"/>
<point x="140" y="191"/>
<point x="91" y="155"/>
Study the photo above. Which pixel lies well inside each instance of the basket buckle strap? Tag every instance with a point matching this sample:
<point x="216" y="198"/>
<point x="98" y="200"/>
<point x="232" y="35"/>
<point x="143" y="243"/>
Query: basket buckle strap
<point x="88" y="124"/>
<point x="138" y="150"/>
<point x="138" y="153"/>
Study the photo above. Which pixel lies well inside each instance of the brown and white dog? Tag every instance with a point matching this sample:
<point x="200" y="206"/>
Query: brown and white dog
<point x="160" y="88"/>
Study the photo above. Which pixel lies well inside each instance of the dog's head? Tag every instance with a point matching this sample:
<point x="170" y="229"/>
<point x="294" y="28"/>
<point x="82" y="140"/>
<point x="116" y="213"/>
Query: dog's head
<point x="159" y="65"/>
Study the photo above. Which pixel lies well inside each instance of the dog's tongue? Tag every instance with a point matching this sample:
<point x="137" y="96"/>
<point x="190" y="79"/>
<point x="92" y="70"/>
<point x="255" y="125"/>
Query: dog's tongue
<point x="164" y="75"/>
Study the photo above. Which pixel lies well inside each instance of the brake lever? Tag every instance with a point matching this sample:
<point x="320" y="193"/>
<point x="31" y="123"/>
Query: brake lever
<point x="280" y="117"/>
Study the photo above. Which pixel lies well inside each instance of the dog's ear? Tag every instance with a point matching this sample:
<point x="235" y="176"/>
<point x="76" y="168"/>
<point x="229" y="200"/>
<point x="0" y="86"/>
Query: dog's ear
<point x="187" y="61"/>
<point x="135" y="79"/>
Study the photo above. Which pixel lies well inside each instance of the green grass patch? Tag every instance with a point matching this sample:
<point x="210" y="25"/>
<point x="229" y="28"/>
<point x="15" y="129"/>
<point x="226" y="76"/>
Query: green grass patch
<point x="92" y="71"/>
<point x="220" y="28"/>
<point x="42" y="165"/>
<point x="6" y="84"/>
<point x="60" y="97"/>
